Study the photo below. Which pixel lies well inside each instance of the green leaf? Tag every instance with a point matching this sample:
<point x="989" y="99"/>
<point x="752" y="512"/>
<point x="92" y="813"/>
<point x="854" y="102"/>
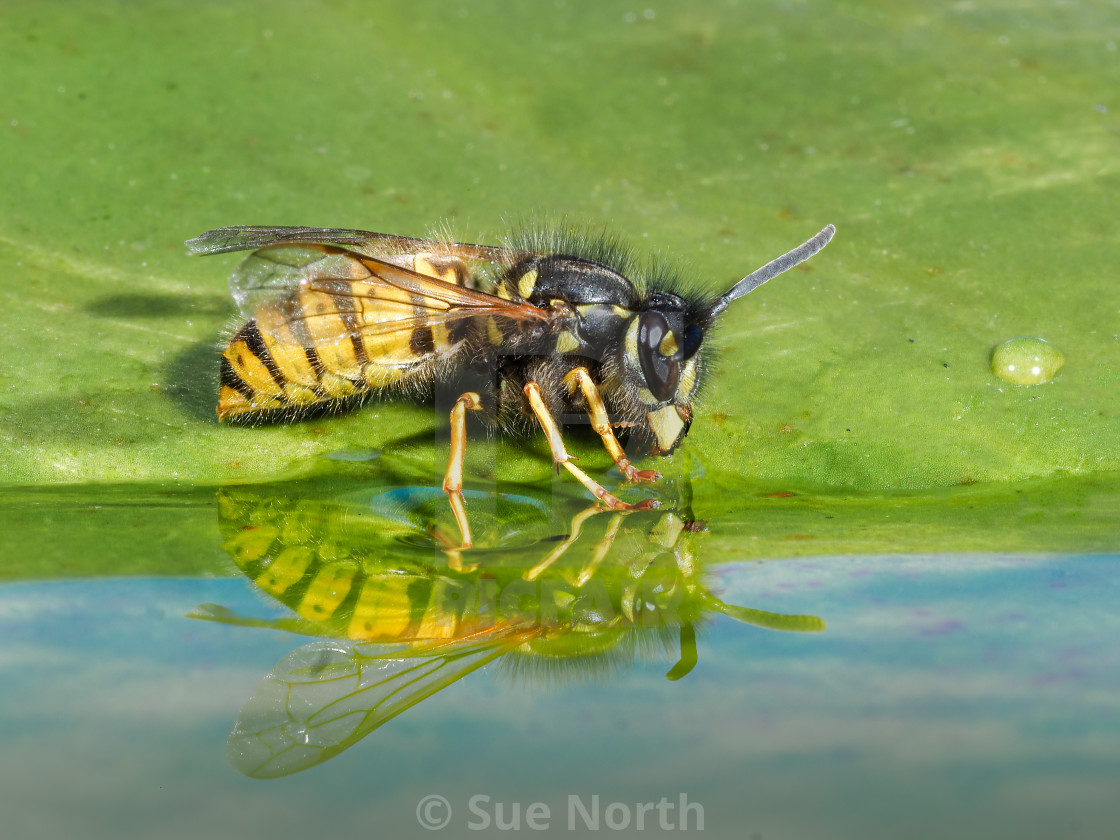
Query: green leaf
<point x="967" y="156"/>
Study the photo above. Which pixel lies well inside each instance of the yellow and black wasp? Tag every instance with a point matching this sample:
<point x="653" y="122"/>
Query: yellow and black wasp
<point x="533" y="334"/>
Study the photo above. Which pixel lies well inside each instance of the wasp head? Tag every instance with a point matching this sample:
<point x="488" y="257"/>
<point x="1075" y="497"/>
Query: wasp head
<point x="663" y="350"/>
<point x="661" y="364"/>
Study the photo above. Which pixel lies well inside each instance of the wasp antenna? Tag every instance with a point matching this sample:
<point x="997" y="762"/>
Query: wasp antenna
<point x="773" y="268"/>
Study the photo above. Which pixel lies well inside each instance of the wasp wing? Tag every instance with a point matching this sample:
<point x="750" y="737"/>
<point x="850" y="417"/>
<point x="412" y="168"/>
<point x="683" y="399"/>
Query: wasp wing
<point x="325" y="697"/>
<point x="309" y="293"/>
<point x="252" y="237"/>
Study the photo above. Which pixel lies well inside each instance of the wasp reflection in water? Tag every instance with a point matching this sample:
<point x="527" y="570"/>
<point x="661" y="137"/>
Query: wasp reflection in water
<point x="402" y="622"/>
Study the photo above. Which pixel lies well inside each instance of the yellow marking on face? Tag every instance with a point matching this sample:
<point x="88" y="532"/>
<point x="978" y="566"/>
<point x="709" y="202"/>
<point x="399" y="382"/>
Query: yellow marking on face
<point x="668" y="345"/>
<point x="566" y="342"/>
<point x="329" y="589"/>
<point x="632" y="357"/>
<point x="527" y="283"/>
<point x="632" y="340"/>
<point x="667" y="427"/>
<point x="620" y="311"/>
<point x="286" y="569"/>
<point x="686" y="384"/>
<point x="383" y="610"/>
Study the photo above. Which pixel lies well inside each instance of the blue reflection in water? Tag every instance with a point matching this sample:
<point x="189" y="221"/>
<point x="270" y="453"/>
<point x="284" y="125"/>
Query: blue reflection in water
<point x="962" y="694"/>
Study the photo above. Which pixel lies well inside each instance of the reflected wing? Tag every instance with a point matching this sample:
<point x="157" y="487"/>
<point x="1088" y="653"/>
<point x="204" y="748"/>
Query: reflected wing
<point x="325" y="697"/>
<point x="308" y="293"/>
<point x="252" y="237"/>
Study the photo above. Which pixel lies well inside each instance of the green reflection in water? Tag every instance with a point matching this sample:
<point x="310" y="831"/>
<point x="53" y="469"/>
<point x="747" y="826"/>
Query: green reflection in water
<point x="96" y="530"/>
<point x="555" y="590"/>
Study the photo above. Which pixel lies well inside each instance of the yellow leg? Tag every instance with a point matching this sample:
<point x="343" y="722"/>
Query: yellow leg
<point x="562" y="458"/>
<point x="453" y="481"/>
<point x="601" y="423"/>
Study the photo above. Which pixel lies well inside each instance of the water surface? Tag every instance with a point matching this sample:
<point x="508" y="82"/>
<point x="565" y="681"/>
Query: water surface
<point x="858" y="695"/>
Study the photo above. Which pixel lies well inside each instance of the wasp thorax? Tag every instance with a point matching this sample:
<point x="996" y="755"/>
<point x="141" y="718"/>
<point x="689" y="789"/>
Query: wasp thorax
<point x="574" y="280"/>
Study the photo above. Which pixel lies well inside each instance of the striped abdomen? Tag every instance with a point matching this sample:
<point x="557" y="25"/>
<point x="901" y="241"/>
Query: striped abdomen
<point x="338" y="338"/>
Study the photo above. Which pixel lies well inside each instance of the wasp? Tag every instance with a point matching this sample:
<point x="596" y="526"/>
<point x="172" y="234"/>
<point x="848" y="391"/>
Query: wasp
<point x="536" y="333"/>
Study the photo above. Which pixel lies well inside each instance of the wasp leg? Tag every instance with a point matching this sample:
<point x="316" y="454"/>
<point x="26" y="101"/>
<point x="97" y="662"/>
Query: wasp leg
<point x="601" y="423"/>
<point x="688" y="658"/>
<point x="562" y="458"/>
<point x="452" y="549"/>
<point x="453" y="481"/>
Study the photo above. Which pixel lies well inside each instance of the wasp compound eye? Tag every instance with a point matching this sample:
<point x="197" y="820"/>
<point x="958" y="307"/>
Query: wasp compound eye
<point x="693" y="338"/>
<point x="659" y="368"/>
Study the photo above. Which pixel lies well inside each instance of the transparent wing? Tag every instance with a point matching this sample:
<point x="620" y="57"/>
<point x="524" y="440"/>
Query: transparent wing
<point x="252" y="237"/>
<point x="325" y="697"/>
<point x="327" y="292"/>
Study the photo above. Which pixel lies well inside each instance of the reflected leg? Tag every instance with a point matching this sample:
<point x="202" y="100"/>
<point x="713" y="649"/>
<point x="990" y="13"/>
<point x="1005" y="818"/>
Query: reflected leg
<point x="601" y="549"/>
<point x="554" y="555"/>
<point x="453" y="480"/>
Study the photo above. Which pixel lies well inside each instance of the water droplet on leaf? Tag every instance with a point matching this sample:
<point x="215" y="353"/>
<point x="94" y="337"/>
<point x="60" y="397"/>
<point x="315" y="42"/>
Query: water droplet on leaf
<point x="1027" y="361"/>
